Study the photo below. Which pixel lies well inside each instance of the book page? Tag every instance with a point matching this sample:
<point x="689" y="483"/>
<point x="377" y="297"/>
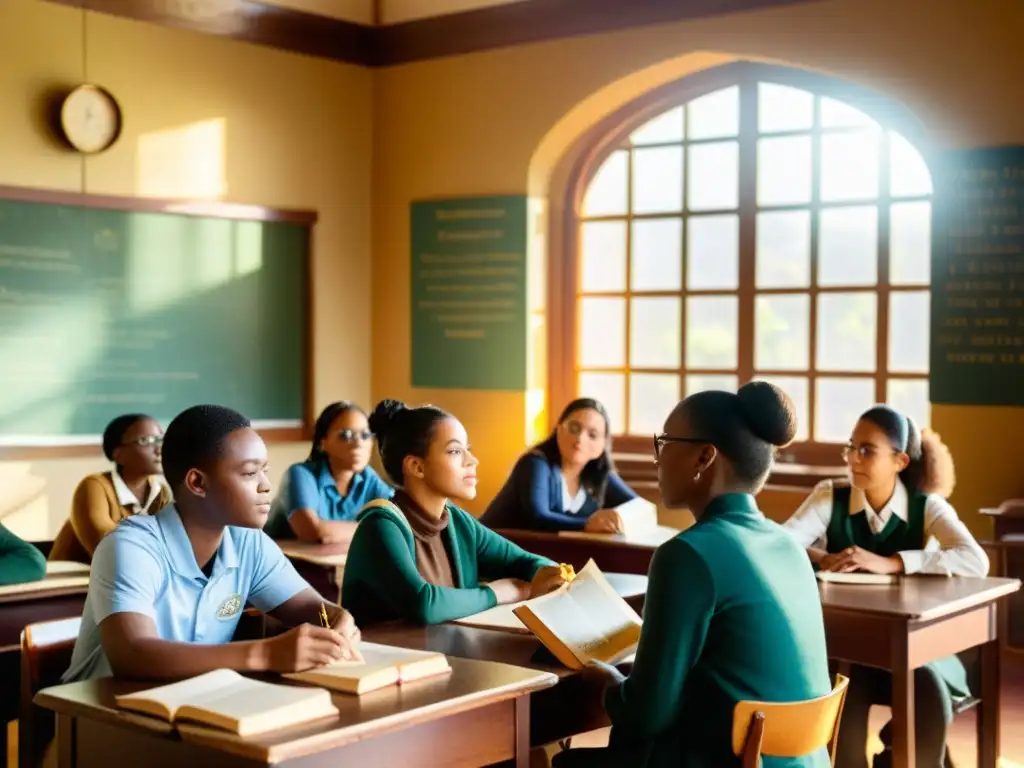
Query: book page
<point x="186" y="692"/>
<point x="66" y="568"/>
<point x="856" y="578"/>
<point x="247" y="700"/>
<point x="500" y="617"/>
<point x="376" y="659"/>
<point x="638" y="515"/>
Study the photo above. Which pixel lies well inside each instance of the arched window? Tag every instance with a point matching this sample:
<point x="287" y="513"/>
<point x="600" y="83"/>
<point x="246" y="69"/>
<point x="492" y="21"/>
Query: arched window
<point x="759" y="222"/>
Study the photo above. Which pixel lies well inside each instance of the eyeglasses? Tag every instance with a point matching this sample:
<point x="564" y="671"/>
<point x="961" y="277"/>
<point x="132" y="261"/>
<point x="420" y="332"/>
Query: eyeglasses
<point x="576" y="429"/>
<point x="660" y="441"/>
<point x="352" y="437"/>
<point x="146" y="440"/>
<point x="865" y="452"/>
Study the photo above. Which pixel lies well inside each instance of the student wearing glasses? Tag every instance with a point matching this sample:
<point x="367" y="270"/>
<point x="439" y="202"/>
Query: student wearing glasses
<point x="885" y="518"/>
<point x="319" y="498"/>
<point x="134" y="486"/>
<point x="568" y="482"/>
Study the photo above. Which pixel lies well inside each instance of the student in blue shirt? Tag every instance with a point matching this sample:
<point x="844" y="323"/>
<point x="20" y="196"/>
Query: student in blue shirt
<point x="166" y="591"/>
<point x="567" y="482"/>
<point x="320" y="497"/>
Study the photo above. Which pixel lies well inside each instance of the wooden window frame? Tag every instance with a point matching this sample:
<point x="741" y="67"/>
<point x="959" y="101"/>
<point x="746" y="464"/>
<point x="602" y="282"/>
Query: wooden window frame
<point x="611" y="134"/>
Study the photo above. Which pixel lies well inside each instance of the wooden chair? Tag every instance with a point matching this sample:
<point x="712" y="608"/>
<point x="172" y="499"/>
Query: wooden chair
<point x="45" y="655"/>
<point x="790" y="729"/>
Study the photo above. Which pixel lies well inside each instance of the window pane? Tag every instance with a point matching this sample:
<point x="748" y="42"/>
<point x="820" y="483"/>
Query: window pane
<point x="799" y="390"/>
<point x="716" y="115"/>
<point x="668" y="126"/>
<point x="654" y="333"/>
<point x="838" y="403"/>
<point x="848" y="246"/>
<point x="784" y="249"/>
<point x="712" y="252"/>
<point x="849" y="166"/>
<point x="607" y="194"/>
<point x="910" y="396"/>
<point x="910" y="243"/>
<point x="604" y="256"/>
<point x="908" y="173"/>
<point x="602" y="333"/>
<point x="909" y="331"/>
<point x="652" y="396"/>
<point x="782" y="328"/>
<point x="836" y="114"/>
<point x="782" y="108"/>
<point x="713" y="181"/>
<point x="784" y="170"/>
<point x="846" y="331"/>
<point x="610" y="390"/>
<point x="711" y="330"/>
<point x="703" y="382"/>
<point x="657" y="254"/>
<point x="658" y="180"/>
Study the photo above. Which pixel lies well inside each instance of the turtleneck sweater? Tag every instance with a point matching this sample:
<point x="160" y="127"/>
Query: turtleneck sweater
<point x="433" y="560"/>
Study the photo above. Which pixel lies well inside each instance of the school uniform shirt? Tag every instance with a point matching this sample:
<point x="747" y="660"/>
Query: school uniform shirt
<point x="100" y="502"/>
<point x="310" y="485"/>
<point x="837" y="515"/>
<point x="732" y="613"/>
<point x="147" y="566"/>
<point x="20" y="561"/>
<point x="384" y="579"/>
<point x="536" y="497"/>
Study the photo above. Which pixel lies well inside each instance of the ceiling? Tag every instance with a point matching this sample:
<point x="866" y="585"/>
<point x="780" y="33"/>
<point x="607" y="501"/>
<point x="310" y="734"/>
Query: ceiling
<point x="391" y="11"/>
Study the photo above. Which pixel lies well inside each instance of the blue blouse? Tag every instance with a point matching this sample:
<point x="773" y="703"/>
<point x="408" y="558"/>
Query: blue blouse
<point x="310" y="485"/>
<point x="532" y="499"/>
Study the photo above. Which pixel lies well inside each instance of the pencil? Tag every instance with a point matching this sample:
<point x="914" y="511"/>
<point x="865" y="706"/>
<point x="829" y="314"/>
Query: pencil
<point x="324" y="620"/>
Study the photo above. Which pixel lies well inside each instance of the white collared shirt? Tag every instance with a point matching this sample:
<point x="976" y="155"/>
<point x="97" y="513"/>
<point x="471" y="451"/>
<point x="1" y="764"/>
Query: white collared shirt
<point x="126" y="498"/>
<point x="956" y="553"/>
<point x="572" y="504"/>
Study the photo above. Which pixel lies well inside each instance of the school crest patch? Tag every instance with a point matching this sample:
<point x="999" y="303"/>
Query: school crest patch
<point x="229" y="607"/>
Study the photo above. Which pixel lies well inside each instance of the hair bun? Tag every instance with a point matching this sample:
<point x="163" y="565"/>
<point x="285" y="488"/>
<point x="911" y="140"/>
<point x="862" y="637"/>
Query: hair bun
<point x="383" y="416"/>
<point x="768" y="412"/>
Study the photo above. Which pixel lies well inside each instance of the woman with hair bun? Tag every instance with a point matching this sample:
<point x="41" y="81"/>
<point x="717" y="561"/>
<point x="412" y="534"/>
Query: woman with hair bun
<point x="732" y="610"/>
<point x="881" y="520"/>
<point x="420" y="557"/>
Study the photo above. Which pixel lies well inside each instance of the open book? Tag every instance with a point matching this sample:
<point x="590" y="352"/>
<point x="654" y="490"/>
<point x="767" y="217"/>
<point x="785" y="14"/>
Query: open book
<point x="583" y="620"/>
<point x="878" y="579"/>
<point x="382" y="665"/>
<point x="225" y="699"/>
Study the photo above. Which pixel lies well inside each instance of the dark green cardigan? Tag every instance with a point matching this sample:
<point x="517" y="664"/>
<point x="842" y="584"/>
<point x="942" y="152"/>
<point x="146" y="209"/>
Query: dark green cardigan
<point x="381" y="582"/>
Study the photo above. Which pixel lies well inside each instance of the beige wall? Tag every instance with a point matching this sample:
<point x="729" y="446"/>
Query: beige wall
<point x="296" y="134"/>
<point x="497" y="122"/>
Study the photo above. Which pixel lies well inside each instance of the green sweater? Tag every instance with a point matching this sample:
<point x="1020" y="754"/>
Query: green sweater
<point x="20" y="561"/>
<point x="381" y="582"/>
<point x="732" y="613"/>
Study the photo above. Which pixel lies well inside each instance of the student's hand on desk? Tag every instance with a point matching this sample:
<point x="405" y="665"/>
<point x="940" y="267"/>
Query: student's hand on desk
<point x="510" y="590"/>
<point x="305" y="647"/>
<point x="607" y="671"/>
<point x="546" y="579"/>
<point x="604" y="521"/>
<point x="343" y="623"/>
<point x="857" y="559"/>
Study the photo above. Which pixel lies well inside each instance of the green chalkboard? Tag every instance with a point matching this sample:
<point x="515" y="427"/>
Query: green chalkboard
<point x="977" y="354"/>
<point x="469" y="293"/>
<point x="105" y="311"/>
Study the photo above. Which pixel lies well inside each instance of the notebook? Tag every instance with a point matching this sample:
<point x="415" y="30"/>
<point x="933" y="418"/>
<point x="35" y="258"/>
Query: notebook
<point x="877" y="579"/>
<point x="226" y="700"/>
<point x="382" y="665"/>
<point x="583" y="620"/>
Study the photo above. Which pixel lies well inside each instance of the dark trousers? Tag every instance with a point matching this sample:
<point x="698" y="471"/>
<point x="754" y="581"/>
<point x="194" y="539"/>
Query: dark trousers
<point x="933" y="712"/>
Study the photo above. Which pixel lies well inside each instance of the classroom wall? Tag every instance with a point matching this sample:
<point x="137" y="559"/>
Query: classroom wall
<point x="498" y="122"/>
<point x="204" y="117"/>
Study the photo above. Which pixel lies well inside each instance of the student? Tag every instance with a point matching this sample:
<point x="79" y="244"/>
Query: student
<point x="320" y="498"/>
<point x="20" y="562"/>
<point x="132" y="487"/>
<point x="167" y="590"/>
<point x="732" y="610"/>
<point x="422" y="558"/>
<point x="879" y="521"/>
<point x="567" y="482"/>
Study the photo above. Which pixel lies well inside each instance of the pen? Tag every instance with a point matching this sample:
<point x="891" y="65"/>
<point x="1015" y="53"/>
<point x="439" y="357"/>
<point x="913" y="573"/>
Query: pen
<point x="324" y="620"/>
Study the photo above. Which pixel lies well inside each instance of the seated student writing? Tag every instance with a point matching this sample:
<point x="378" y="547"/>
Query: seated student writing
<point x="320" y="498"/>
<point x="422" y="558"/>
<point x="880" y="520"/>
<point x="567" y="482"/>
<point x="133" y="486"/>
<point x="732" y="610"/>
<point x="166" y="591"/>
<point x="20" y="562"/>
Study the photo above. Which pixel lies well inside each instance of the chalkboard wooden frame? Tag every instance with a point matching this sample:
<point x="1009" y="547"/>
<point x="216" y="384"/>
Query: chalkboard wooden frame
<point x="201" y="208"/>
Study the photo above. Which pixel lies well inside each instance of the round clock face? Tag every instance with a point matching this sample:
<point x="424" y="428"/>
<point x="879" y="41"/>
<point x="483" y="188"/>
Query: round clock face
<point x="91" y="119"/>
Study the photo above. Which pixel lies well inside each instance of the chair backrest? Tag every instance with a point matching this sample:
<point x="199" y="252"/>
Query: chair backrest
<point x="46" y="649"/>
<point x="791" y="729"/>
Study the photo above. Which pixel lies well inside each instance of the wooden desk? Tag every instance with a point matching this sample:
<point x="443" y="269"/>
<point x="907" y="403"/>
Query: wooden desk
<point x="322" y="565"/>
<point x="905" y="626"/>
<point x="1007" y="551"/>
<point x="622" y="554"/>
<point x="478" y="715"/>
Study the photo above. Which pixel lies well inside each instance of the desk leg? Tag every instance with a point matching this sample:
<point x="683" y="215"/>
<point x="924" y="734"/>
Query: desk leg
<point x="988" y="710"/>
<point x="64" y="741"/>
<point x="522" y="728"/>
<point x="903" y="738"/>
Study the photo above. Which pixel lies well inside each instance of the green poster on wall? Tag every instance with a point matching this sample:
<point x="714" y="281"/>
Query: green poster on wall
<point x="469" y="293"/>
<point x="977" y="323"/>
